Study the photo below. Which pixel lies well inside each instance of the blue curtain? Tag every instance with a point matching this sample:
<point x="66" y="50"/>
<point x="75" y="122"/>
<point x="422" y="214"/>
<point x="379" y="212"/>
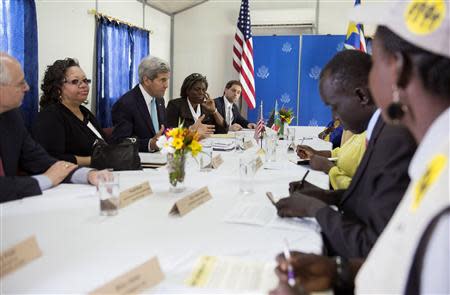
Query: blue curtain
<point x="316" y="51"/>
<point x="18" y="35"/>
<point x="276" y="61"/>
<point x="140" y="47"/>
<point x="119" y="49"/>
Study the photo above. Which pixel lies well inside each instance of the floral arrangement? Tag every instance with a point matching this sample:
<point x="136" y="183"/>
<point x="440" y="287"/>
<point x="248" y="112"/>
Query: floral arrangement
<point x="179" y="140"/>
<point x="286" y="115"/>
<point x="176" y="143"/>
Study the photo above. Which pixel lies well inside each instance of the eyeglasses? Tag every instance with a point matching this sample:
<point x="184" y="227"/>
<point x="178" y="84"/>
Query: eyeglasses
<point x="78" y="82"/>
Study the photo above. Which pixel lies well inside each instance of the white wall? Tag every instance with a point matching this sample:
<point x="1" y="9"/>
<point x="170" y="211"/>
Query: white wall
<point x="65" y="29"/>
<point x="204" y="35"/>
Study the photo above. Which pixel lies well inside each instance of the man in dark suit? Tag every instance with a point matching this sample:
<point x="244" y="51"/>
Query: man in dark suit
<point x="141" y="111"/>
<point x="227" y="108"/>
<point x="19" y="151"/>
<point x="381" y="179"/>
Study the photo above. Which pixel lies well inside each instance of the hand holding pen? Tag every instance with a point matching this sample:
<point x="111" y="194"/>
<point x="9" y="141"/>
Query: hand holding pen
<point x="290" y="269"/>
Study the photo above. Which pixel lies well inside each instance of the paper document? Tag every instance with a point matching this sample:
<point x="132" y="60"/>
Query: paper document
<point x="223" y="145"/>
<point x="228" y="135"/>
<point x="251" y="213"/>
<point x="153" y="158"/>
<point x="232" y="273"/>
<point x="257" y="214"/>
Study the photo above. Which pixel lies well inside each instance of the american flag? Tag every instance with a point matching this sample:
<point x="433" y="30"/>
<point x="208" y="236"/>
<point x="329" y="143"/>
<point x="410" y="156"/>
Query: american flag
<point x="260" y="127"/>
<point x="355" y="35"/>
<point x="243" y="55"/>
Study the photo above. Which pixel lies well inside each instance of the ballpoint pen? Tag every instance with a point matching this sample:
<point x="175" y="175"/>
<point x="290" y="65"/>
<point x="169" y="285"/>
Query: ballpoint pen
<point x="287" y="256"/>
<point x="303" y="179"/>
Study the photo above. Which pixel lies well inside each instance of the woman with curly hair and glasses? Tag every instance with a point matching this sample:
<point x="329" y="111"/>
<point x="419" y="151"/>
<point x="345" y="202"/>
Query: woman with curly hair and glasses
<point x="65" y="128"/>
<point x="195" y="107"/>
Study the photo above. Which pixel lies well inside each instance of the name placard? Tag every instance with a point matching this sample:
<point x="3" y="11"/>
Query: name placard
<point x="216" y="161"/>
<point x="135" y="281"/>
<point x="18" y="255"/>
<point x="248" y="145"/>
<point x="259" y="163"/>
<point x="190" y="202"/>
<point x="135" y="193"/>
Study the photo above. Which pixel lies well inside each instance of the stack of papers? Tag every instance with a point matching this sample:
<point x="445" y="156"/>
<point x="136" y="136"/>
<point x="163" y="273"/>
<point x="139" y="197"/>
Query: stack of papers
<point x="153" y="160"/>
<point x="223" y="145"/>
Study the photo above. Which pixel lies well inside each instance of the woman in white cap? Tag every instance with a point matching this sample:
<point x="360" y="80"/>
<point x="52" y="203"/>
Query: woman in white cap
<point x="410" y="82"/>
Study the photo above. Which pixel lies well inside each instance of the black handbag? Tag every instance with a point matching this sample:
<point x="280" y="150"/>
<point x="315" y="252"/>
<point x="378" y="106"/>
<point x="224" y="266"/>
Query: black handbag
<point x="122" y="156"/>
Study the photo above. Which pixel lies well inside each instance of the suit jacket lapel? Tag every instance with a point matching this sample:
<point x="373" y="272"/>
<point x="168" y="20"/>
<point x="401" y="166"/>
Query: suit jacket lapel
<point x="143" y="108"/>
<point x="185" y="113"/>
<point x="221" y="107"/>
<point x="365" y="160"/>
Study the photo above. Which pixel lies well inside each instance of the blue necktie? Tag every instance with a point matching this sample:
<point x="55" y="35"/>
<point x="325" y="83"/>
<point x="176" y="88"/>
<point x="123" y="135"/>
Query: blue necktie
<point x="154" y="115"/>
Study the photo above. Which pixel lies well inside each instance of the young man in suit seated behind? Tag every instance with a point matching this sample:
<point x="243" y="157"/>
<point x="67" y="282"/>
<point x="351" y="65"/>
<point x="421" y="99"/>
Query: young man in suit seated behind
<point x="227" y="108"/>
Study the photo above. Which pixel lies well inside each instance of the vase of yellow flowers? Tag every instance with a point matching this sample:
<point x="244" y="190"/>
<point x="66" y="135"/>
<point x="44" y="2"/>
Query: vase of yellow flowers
<point x="177" y="143"/>
<point x="286" y="116"/>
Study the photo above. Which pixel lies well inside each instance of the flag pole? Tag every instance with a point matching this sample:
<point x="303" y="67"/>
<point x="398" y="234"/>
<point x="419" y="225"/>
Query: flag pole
<point x="261" y="114"/>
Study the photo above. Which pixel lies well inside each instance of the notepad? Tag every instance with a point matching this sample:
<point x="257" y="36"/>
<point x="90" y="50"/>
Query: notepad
<point x="153" y="160"/>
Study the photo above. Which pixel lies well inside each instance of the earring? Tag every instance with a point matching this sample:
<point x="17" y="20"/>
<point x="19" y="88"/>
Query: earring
<point x="396" y="110"/>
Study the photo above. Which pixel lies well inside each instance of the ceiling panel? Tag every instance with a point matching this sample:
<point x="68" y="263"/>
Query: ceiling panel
<point x="173" y="6"/>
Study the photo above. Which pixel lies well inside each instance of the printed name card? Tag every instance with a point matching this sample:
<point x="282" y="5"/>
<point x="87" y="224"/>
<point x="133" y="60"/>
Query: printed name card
<point x="135" y="193"/>
<point x="259" y="163"/>
<point x="216" y="161"/>
<point x="190" y="202"/>
<point x="248" y="145"/>
<point x="135" y="281"/>
<point x="19" y="255"/>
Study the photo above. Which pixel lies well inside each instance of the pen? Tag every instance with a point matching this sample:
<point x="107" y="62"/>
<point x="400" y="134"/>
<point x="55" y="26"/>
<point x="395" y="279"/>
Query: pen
<point x="287" y="256"/>
<point x="271" y="198"/>
<point x="303" y="179"/>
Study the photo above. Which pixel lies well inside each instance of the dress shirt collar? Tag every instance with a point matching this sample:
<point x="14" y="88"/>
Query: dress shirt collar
<point x="227" y="103"/>
<point x="148" y="98"/>
<point x="436" y="136"/>
<point x="195" y="113"/>
<point x="372" y="122"/>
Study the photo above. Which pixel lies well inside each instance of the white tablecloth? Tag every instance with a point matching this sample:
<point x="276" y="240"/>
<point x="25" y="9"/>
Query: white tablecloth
<point x="83" y="250"/>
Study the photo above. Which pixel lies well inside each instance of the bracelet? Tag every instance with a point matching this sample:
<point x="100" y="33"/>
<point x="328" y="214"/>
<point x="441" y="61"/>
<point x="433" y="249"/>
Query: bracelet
<point x="343" y="274"/>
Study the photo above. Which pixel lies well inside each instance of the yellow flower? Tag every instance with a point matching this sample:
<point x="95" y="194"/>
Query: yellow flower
<point x="175" y="132"/>
<point x="196" y="147"/>
<point x="177" y="143"/>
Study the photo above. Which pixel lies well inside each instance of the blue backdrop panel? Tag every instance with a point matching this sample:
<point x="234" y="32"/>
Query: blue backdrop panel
<point x="316" y="51"/>
<point x="276" y="73"/>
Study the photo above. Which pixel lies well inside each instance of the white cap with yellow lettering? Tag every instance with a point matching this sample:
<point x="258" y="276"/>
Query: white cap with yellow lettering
<point x="424" y="23"/>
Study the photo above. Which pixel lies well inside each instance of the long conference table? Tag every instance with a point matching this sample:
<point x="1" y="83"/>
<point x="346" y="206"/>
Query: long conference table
<point x="82" y="250"/>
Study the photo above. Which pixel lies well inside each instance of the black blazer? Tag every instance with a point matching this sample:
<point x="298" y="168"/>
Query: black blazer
<point x="19" y="151"/>
<point x="131" y="117"/>
<point x="373" y="195"/>
<point x="237" y="117"/>
<point x="178" y="110"/>
<point x="63" y="135"/>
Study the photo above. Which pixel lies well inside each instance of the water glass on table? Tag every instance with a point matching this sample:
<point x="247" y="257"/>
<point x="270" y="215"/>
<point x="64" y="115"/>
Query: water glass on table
<point x="247" y="170"/>
<point x="205" y="156"/>
<point x="239" y="139"/>
<point x="108" y="190"/>
<point x="270" y="147"/>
